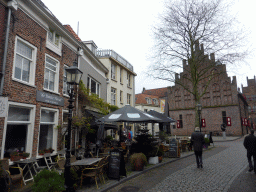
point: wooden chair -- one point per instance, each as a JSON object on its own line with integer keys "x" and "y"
{"x": 105, "y": 167}
{"x": 92, "y": 172}
{"x": 48, "y": 160}
{"x": 14, "y": 178}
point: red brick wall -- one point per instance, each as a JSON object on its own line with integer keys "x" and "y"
{"x": 27, "y": 29}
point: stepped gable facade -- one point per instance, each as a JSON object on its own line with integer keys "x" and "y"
{"x": 221, "y": 103}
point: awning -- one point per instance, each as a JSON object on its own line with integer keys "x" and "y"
{"x": 164, "y": 118}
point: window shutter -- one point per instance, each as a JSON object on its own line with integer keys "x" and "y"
{"x": 228, "y": 121}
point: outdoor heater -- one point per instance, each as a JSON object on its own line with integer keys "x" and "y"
{"x": 199, "y": 109}
{"x": 73, "y": 78}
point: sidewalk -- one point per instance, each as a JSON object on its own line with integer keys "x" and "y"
{"x": 113, "y": 183}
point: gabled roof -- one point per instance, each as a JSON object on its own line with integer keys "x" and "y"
{"x": 160, "y": 92}
{"x": 69, "y": 28}
{"x": 141, "y": 98}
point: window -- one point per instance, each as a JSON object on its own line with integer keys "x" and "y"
{"x": 113, "y": 96}
{"x": 155, "y": 101}
{"x": 128, "y": 80}
{"x": 54, "y": 38}
{"x": 19, "y": 129}
{"x": 113, "y": 71}
{"x": 181, "y": 121}
{"x": 48, "y": 135}
{"x": 51, "y": 74}
{"x": 148, "y": 100}
{"x": 25, "y": 61}
{"x": 121, "y": 76}
{"x": 121, "y": 97}
{"x": 224, "y": 119}
{"x": 93, "y": 85}
{"x": 65, "y": 84}
{"x": 129, "y": 98}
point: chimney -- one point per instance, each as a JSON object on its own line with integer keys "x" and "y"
{"x": 196, "y": 45}
{"x": 234, "y": 80}
{"x": 212, "y": 56}
{"x": 184, "y": 63}
{"x": 202, "y": 48}
{"x": 143, "y": 89}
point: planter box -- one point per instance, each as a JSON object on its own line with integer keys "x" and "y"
{"x": 153, "y": 160}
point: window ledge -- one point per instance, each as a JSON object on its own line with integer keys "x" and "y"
{"x": 54, "y": 48}
{"x": 23, "y": 82}
{"x": 51, "y": 91}
{"x": 65, "y": 95}
{"x": 129, "y": 87}
{"x": 114, "y": 80}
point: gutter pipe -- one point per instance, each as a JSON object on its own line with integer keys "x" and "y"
{"x": 5, "y": 50}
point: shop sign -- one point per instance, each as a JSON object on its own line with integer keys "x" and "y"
{"x": 228, "y": 121}
{"x": 49, "y": 98}
{"x": 3, "y": 106}
{"x": 203, "y": 123}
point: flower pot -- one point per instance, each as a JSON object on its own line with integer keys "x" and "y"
{"x": 15, "y": 158}
{"x": 160, "y": 159}
{"x": 41, "y": 154}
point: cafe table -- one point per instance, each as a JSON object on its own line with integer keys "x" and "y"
{"x": 29, "y": 163}
{"x": 85, "y": 162}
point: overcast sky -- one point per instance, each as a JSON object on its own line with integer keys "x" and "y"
{"x": 125, "y": 26}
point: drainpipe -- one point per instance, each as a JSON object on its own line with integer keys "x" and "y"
{"x": 11, "y": 5}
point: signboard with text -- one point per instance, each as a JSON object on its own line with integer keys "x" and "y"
{"x": 49, "y": 98}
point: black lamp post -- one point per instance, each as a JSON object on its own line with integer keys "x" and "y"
{"x": 199, "y": 109}
{"x": 73, "y": 78}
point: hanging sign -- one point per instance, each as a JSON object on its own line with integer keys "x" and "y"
{"x": 228, "y": 121}
{"x": 203, "y": 123}
{"x": 3, "y": 106}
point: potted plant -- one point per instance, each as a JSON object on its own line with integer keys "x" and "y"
{"x": 41, "y": 152}
{"x": 25, "y": 155}
{"x": 160, "y": 154}
{"x": 138, "y": 161}
{"x": 51, "y": 150}
{"x": 206, "y": 142}
{"x": 15, "y": 156}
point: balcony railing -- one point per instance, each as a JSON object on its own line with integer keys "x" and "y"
{"x": 113, "y": 54}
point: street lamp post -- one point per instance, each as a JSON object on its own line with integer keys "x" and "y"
{"x": 199, "y": 109}
{"x": 73, "y": 78}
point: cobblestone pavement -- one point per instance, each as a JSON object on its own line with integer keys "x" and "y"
{"x": 223, "y": 166}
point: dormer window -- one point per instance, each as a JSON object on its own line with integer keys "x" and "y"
{"x": 155, "y": 101}
{"x": 53, "y": 41}
{"x": 149, "y": 101}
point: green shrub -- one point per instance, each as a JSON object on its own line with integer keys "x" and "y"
{"x": 136, "y": 156}
{"x": 50, "y": 181}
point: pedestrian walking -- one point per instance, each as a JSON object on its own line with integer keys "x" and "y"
{"x": 197, "y": 140}
{"x": 250, "y": 146}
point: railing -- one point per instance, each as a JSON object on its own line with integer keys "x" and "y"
{"x": 111, "y": 53}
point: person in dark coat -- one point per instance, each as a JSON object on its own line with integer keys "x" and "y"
{"x": 250, "y": 146}
{"x": 197, "y": 140}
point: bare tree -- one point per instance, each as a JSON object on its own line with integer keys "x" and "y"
{"x": 183, "y": 25}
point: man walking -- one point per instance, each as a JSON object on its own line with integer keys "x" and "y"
{"x": 197, "y": 140}
{"x": 250, "y": 146}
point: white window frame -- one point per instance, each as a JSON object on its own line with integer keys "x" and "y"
{"x": 32, "y": 70}
{"x": 30, "y": 129}
{"x": 121, "y": 97}
{"x": 113, "y": 96}
{"x": 51, "y": 44}
{"x": 155, "y": 101}
{"x": 113, "y": 71}
{"x": 128, "y": 79}
{"x": 149, "y": 101}
{"x": 54, "y": 132}
{"x": 129, "y": 98}
{"x": 65, "y": 91}
{"x": 56, "y": 80}
{"x": 121, "y": 75}
{"x": 97, "y": 85}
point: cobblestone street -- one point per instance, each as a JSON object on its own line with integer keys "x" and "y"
{"x": 225, "y": 169}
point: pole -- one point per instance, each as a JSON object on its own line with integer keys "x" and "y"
{"x": 199, "y": 118}
{"x": 68, "y": 184}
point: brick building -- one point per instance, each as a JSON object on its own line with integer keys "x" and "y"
{"x": 33, "y": 56}
{"x": 250, "y": 94}
{"x": 221, "y": 103}
{"x": 153, "y": 99}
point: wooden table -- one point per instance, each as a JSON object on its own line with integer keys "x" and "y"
{"x": 29, "y": 163}
{"x": 85, "y": 162}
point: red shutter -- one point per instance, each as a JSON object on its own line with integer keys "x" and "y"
{"x": 203, "y": 123}
{"x": 245, "y": 121}
{"x": 228, "y": 121}
{"x": 178, "y": 123}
